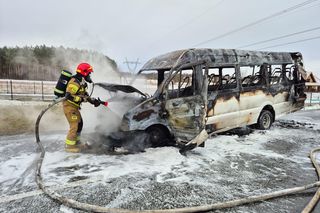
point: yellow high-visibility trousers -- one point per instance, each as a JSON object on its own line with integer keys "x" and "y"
{"x": 74, "y": 118}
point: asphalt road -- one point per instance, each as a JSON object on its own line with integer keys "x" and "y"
{"x": 228, "y": 167}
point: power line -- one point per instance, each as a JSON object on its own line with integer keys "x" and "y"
{"x": 196, "y": 17}
{"x": 189, "y": 21}
{"x": 293, "y": 42}
{"x": 134, "y": 63}
{"x": 279, "y": 37}
{"x": 258, "y": 21}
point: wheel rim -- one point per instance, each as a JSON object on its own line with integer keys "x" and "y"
{"x": 155, "y": 136}
{"x": 266, "y": 121}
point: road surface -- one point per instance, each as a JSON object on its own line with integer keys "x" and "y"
{"x": 228, "y": 167}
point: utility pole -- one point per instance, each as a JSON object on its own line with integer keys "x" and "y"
{"x": 134, "y": 63}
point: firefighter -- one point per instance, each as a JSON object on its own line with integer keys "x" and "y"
{"x": 76, "y": 94}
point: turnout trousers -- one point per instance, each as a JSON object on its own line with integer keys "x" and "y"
{"x": 74, "y": 118}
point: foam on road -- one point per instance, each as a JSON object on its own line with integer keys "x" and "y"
{"x": 229, "y": 167}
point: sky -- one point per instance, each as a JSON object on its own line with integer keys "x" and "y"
{"x": 141, "y": 29}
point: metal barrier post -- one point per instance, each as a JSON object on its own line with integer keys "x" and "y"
{"x": 42, "y": 90}
{"x": 11, "y": 89}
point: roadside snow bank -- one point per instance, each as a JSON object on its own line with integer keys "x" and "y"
{"x": 22, "y": 103}
{"x": 313, "y": 107}
{"x": 20, "y": 117}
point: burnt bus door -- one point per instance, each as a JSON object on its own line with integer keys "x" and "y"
{"x": 186, "y": 115}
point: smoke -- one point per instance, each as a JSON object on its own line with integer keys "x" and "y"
{"x": 99, "y": 122}
{"x": 313, "y": 66}
{"x": 101, "y": 118}
{"x": 102, "y": 121}
{"x": 107, "y": 122}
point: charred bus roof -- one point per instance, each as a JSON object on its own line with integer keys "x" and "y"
{"x": 216, "y": 57}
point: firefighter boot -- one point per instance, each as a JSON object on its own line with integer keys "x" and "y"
{"x": 83, "y": 146}
{"x": 72, "y": 148}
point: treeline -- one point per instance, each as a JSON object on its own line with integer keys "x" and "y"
{"x": 45, "y": 63}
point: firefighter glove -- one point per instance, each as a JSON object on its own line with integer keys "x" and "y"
{"x": 96, "y": 102}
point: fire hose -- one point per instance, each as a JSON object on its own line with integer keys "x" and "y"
{"x": 313, "y": 202}
{"x": 221, "y": 205}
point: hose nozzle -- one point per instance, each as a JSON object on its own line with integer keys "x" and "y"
{"x": 105, "y": 103}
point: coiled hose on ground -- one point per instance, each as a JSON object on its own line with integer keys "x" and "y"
{"x": 228, "y": 204}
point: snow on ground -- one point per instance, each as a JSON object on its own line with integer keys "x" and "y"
{"x": 228, "y": 167}
{"x": 312, "y": 107}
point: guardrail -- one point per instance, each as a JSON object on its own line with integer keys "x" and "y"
{"x": 26, "y": 90}
{"x": 43, "y": 90}
{"x": 312, "y": 101}
{"x": 312, "y": 98}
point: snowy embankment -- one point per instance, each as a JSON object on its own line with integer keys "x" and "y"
{"x": 20, "y": 116}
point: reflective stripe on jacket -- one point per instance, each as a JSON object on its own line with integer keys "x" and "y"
{"x": 77, "y": 91}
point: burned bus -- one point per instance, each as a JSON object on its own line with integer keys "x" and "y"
{"x": 203, "y": 91}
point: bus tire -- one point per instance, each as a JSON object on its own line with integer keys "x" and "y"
{"x": 158, "y": 136}
{"x": 265, "y": 120}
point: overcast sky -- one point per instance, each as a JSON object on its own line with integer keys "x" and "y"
{"x": 143, "y": 29}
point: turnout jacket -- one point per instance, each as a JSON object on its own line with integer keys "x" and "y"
{"x": 77, "y": 90}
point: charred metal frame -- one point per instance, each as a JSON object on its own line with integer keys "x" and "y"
{"x": 219, "y": 110}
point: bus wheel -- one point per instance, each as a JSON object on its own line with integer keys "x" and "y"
{"x": 265, "y": 120}
{"x": 158, "y": 136}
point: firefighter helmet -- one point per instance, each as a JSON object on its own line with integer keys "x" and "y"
{"x": 84, "y": 69}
